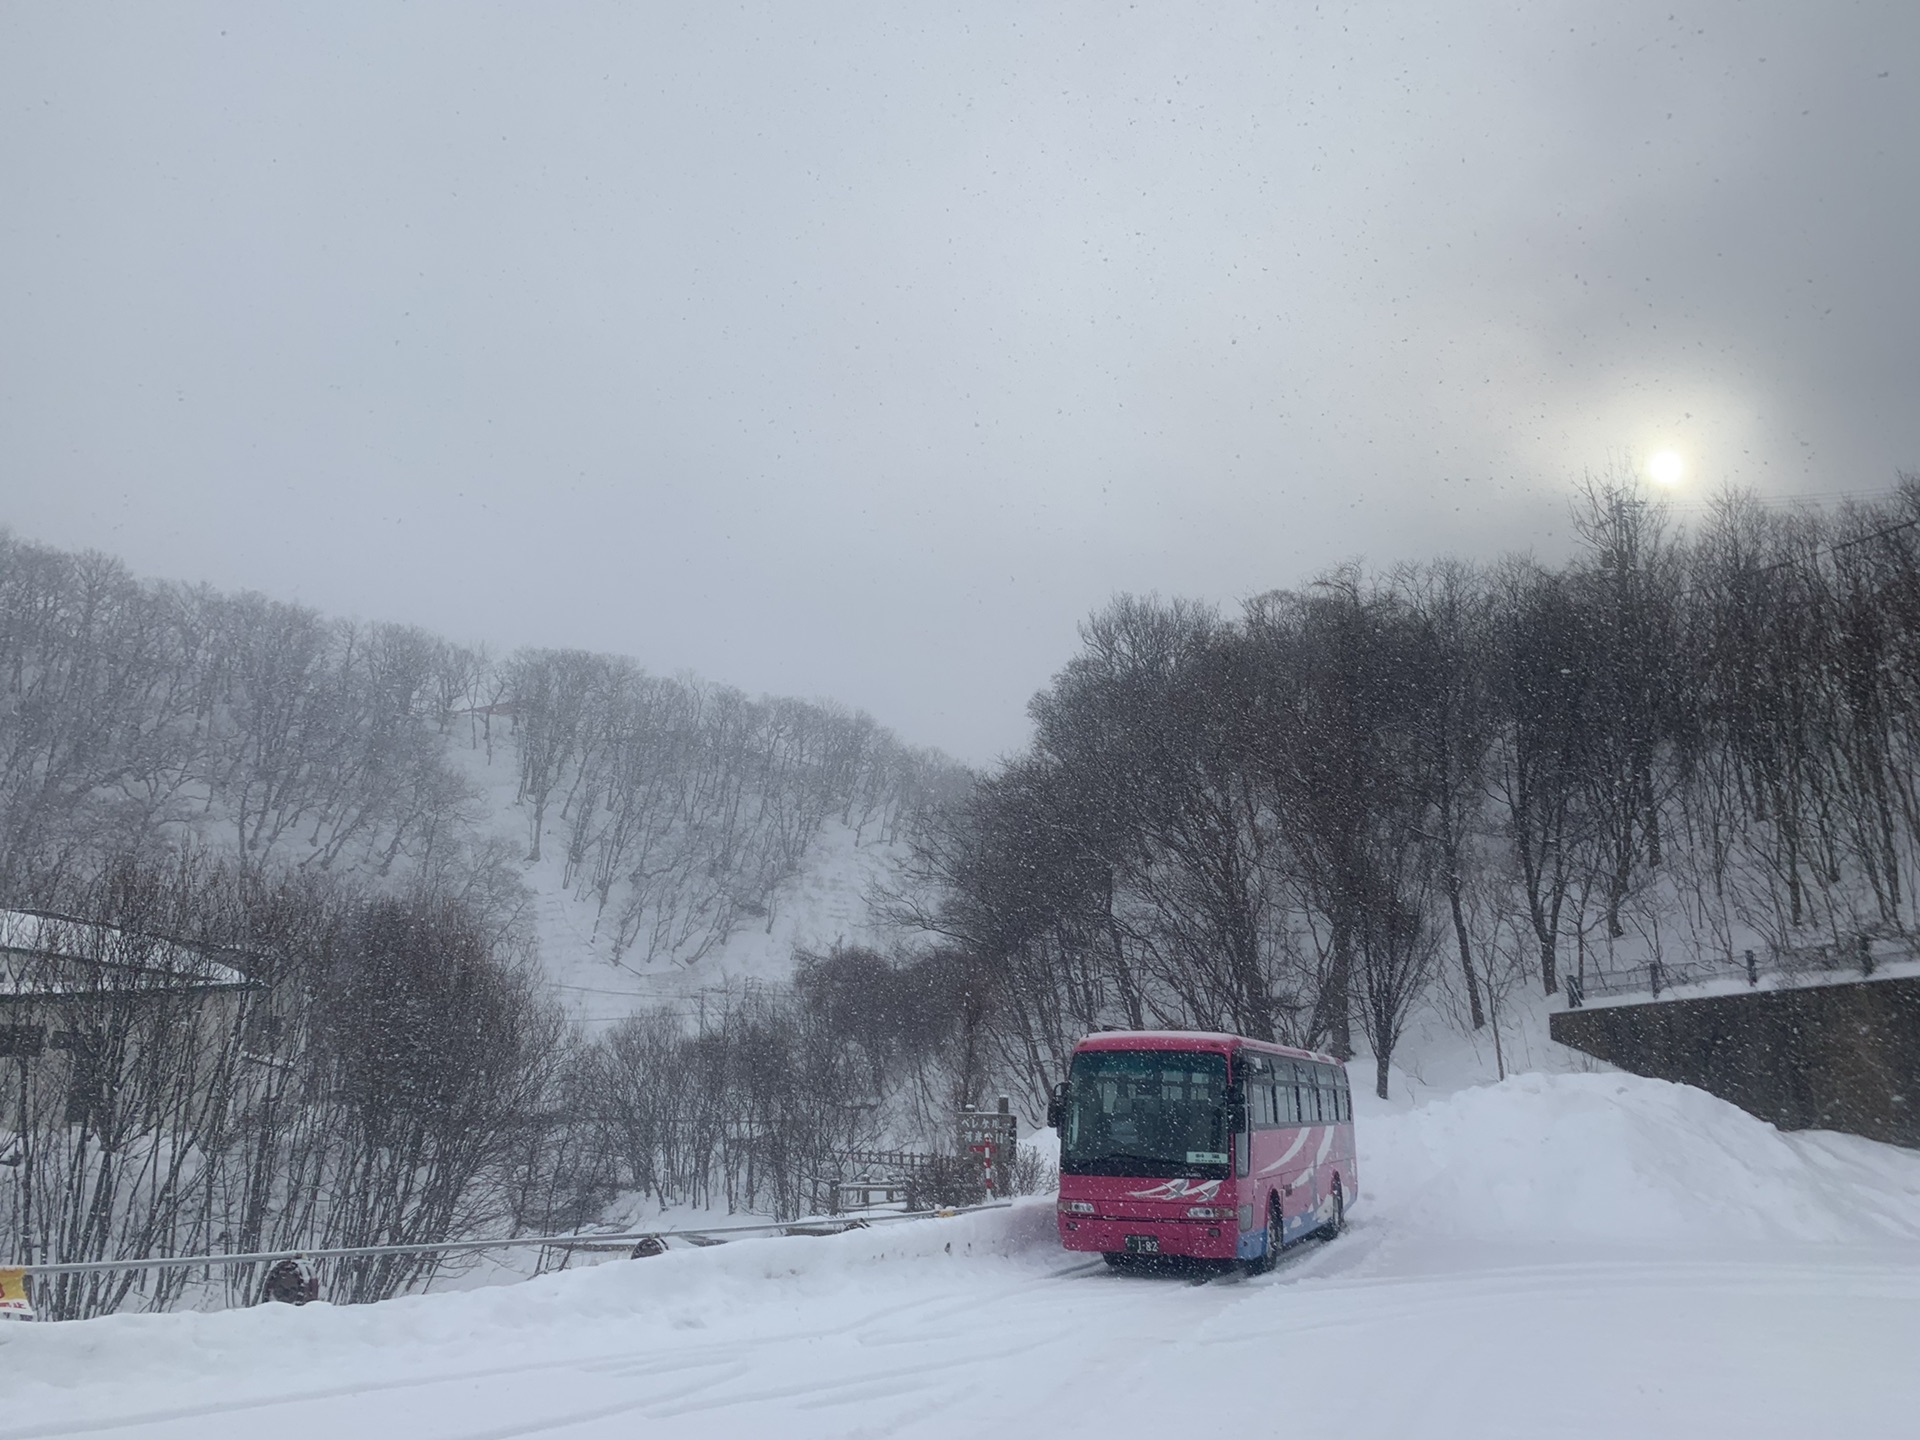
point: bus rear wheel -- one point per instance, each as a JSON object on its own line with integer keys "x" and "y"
{"x": 1339, "y": 1221}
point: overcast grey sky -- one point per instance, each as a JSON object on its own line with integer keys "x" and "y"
{"x": 861, "y": 351}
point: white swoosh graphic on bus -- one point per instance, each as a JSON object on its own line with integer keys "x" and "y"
{"x": 1181, "y": 1189}
{"x": 1293, "y": 1150}
{"x": 1326, "y": 1144}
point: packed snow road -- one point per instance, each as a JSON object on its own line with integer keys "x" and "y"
{"x": 1572, "y": 1256}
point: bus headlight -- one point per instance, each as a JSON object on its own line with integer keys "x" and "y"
{"x": 1209, "y": 1212}
{"x": 1076, "y": 1207}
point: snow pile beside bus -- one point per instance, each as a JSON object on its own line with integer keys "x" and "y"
{"x": 1618, "y": 1158}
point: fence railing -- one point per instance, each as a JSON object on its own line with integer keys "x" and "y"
{"x": 1855, "y": 958}
{"x": 857, "y": 1164}
{"x": 638, "y": 1243}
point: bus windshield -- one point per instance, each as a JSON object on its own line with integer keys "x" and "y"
{"x": 1145, "y": 1112}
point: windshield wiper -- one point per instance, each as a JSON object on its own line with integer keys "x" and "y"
{"x": 1130, "y": 1163}
{"x": 1112, "y": 1155}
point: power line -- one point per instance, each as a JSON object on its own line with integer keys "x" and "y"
{"x": 1838, "y": 546}
{"x": 1778, "y": 502}
{"x": 1874, "y": 535}
{"x": 1829, "y": 550}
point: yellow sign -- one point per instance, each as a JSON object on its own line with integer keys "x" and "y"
{"x": 13, "y": 1294}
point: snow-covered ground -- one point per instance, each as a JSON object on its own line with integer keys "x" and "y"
{"x": 1571, "y": 1255}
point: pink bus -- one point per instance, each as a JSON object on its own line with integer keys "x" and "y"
{"x": 1201, "y": 1145}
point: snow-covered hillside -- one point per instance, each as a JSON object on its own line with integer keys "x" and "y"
{"x": 671, "y": 833}
{"x": 825, "y": 902}
{"x": 677, "y": 836}
{"x": 1553, "y": 1256}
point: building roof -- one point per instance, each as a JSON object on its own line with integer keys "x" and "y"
{"x": 50, "y": 955}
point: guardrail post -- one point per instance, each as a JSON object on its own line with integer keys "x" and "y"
{"x": 1866, "y": 954}
{"x": 1753, "y": 970}
{"x": 1653, "y": 974}
{"x": 1575, "y": 993}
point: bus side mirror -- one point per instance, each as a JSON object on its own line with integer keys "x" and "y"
{"x": 1057, "y": 1105}
{"x": 1236, "y": 1109}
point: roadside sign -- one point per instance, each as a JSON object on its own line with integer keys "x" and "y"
{"x": 992, "y": 1136}
{"x": 13, "y": 1295}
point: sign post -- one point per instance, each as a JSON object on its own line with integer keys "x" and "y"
{"x": 991, "y": 1135}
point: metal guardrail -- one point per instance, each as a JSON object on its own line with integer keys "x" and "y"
{"x": 1856, "y": 958}
{"x": 816, "y": 1225}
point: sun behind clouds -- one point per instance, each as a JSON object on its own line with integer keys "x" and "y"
{"x": 1666, "y": 467}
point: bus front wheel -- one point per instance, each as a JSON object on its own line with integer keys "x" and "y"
{"x": 1266, "y": 1262}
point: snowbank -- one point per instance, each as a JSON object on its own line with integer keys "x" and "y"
{"x": 678, "y": 1291}
{"x": 1618, "y": 1158}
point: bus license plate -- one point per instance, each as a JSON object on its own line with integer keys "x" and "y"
{"x": 1143, "y": 1245}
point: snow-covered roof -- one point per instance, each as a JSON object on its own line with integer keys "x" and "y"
{"x": 1207, "y": 1040}
{"x": 43, "y": 954}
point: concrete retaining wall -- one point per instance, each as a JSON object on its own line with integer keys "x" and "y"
{"x": 1835, "y": 1057}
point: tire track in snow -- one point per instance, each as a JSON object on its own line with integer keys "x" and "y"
{"x": 826, "y": 1391}
{"x": 262, "y": 1402}
{"x": 612, "y": 1364}
{"x": 616, "y": 1363}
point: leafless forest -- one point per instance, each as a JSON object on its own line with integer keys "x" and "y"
{"x": 1440, "y": 785}
{"x": 1448, "y": 783}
